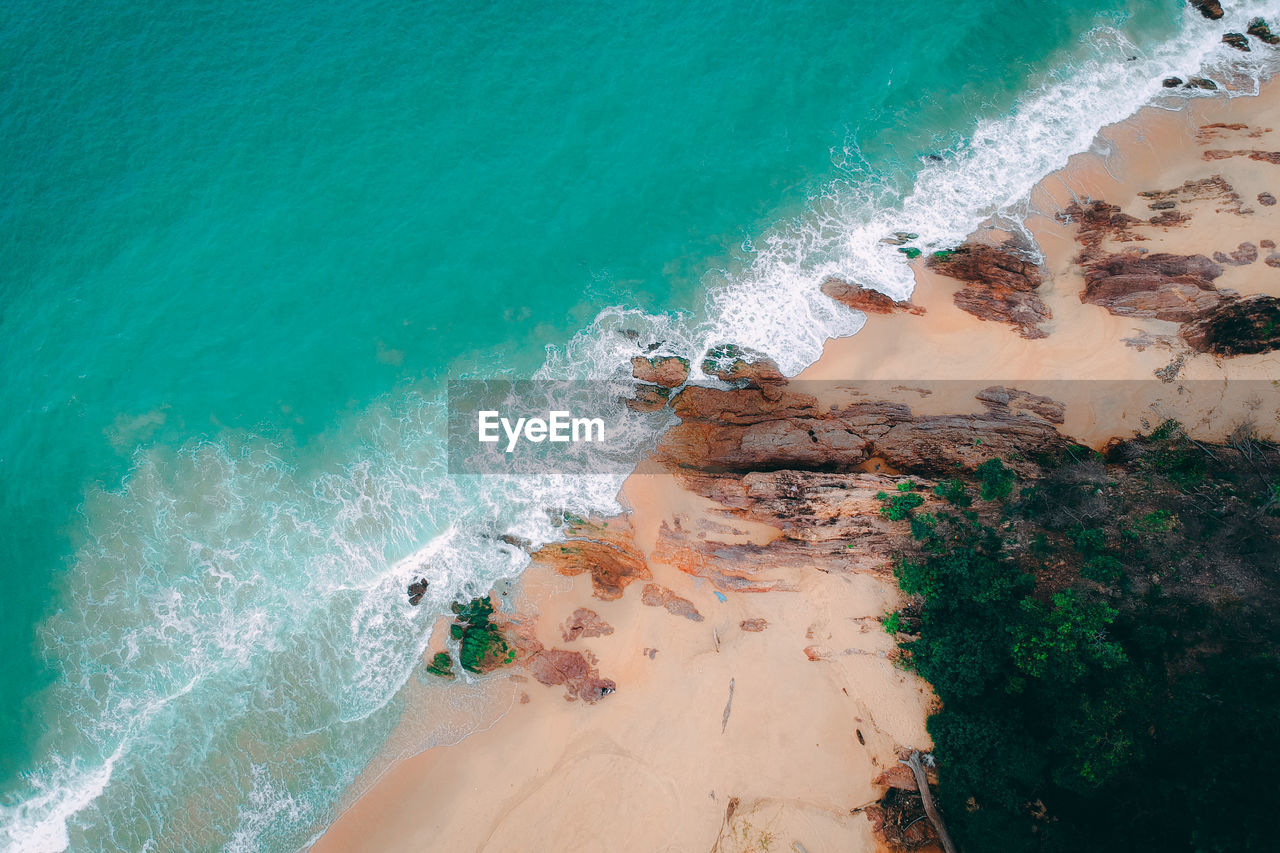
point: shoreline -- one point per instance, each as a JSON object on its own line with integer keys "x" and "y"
{"x": 722, "y": 714}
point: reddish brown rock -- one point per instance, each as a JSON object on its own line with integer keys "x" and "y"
{"x": 866, "y": 300}
{"x": 585, "y": 623}
{"x": 732, "y": 363}
{"x": 1272, "y": 157}
{"x": 1096, "y": 221}
{"x": 741, "y": 430}
{"x": 648, "y": 398}
{"x": 666, "y": 371}
{"x": 580, "y": 679}
{"x": 659, "y": 596}
{"x": 605, "y": 549}
{"x": 999, "y": 286}
{"x": 753, "y": 625}
{"x": 1161, "y": 285}
{"x": 1211, "y": 9}
{"x": 997, "y": 398}
{"x": 1237, "y": 327}
{"x": 1236, "y": 40}
{"x": 1244, "y": 254}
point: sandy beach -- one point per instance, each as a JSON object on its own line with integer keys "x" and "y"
{"x": 752, "y": 720}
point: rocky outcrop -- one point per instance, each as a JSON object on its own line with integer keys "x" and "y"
{"x": 866, "y": 300}
{"x": 997, "y": 398}
{"x": 1237, "y": 40}
{"x": 584, "y": 623}
{"x": 743, "y": 431}
{"x": 732, "y": 363}
{"x": 999, "y": 285}
{"x": 579, "y": 675}
{"x": 1097, "y": 221}
{"x": 1211, "y": 9}
{"x": 417, "y": 589}
{"x": 1244, "y": 254}
{"x": 654, "y": 595}
{"x": 1272, "y": 157}
{"x": 754, "y": 626}
{"x": 667, "y": 371}
{"x": 1161, "y": 285}
{"x": 1237, "y": 327}
{"x": 1258, "y": 29}
{"x": 605, "y": 549}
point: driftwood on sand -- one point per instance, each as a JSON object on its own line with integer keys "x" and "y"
{"x": 926, "y": 798}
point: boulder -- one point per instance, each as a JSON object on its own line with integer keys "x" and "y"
{"x": 866, "y": 300}
{"x": 732, "y": 363}
{"x": 1258, "y": 29}
{"x": 1237, "y": 327}
{"x": 999, "y": 285}
{"x": 667, "y": 371}
{"x": 1162, "y": 286}
{"x": 1236, "y": 40}
{"x": 1211, "y": 9}
{"x": 417, "y": 589}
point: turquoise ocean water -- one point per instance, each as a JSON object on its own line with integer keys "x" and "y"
{"x": 244, "y": 245}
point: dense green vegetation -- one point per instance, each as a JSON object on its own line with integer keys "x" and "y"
{"x": 1104, "y": 645}
{"x": 441, "y": 665}
{"x": 481, "y": 646}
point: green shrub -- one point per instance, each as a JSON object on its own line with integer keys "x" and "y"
{"x": 441, "y": 665}
{"x": 953, "y": 492}
{"x": 997, "y": 480}
{"x": 898, "y": 508}
{"x": 1102, "y": 568}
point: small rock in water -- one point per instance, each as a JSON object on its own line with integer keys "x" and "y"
{"x": 1236, "y": 40}
{"x": 1172, "y": 82}
{"x": 417, "y": 589}
{"x": 1211, "y": 9}
{"x": 899, "y": 238}
{"x": 1258, "y": 29}
{"x": 1201, "y": 83}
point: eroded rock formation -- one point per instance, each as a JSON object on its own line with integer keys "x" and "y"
{"x": 667, "y": 371}
{"x": 1000, "y": 285}
{"x": 1237, "y": 327}
{"x": 743, "y": 431}
{"x": 585, "y": 623}
{"x": 654, "y": 595}
{"x": 866, "y": 300}
{"x": 605, "y": 549}
{"x": 1159, "y": 285}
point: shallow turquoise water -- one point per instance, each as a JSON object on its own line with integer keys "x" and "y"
{"x": 244, "y": 245}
